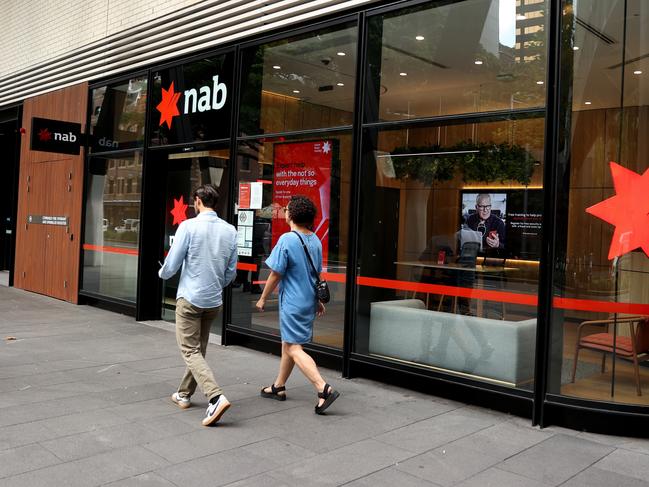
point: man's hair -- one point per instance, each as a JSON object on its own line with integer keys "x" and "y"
{"x": 208, "y": 195}
{"x": 302, "y": 211}
{"x": 481, "y": 197}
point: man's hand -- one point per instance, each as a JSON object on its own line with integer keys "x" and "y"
{"x": 493, "y": 242}
{"x": 321, "y": 309}
{"x": 261, "y": 304}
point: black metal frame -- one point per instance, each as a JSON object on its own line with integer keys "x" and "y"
{"x": 541, "y": 406}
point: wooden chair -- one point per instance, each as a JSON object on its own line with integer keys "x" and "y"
{"x": 634, "y": 347}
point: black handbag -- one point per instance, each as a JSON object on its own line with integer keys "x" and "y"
{"x": 321, "y": 286}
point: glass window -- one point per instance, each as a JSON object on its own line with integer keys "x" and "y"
{"x": 117, "y": 115}
{"x": 185, "y": 172}
{"x": 112, "y": 229}
{"x": 299, "y": 83}
{"x": 270, "y": 171}
{"x": 192, "y": 102}
{"x": 471, "y": 56}
{"x": 602, "y": 297}
{"x": 450, "y": 233}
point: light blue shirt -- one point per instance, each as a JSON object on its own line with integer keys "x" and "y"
{"x": 206, "y": 247}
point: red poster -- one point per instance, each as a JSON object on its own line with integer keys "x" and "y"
{"x": 303, "y": 168}
{"x": 244, "y": 195}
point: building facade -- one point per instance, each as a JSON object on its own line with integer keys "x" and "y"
{"x": 480, "y": 169}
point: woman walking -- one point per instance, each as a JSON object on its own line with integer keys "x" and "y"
{"x": 298, "y": 305}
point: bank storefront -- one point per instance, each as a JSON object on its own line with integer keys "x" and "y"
{"x": 480, "y": 172}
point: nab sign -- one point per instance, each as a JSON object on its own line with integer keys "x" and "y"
{"x": 55, "y": 136}
{"x": 208, "y": 97}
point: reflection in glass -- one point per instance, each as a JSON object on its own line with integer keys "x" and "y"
{"x": 187, "y": 171}
{"x": 597, "y": 294}
{"x": 299, "y": 83}
{"x": 454, "y": 287}
{"x": 471, "y": 56}
{"x": 117, "y": 115}
{"x": 112, "y": 227}
{"x": 270, "y": 171}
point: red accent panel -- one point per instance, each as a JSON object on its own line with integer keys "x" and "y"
{"x": 110, "y": 250}
{"x": 243, "y": 266}
{"x": 334, "y": 277}
{"x": 601, "y": 306}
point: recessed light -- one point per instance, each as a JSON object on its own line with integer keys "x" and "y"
{"x": 420, "y": 38}
{"x": 403, "y": 74}
{"x": 478, "y": 62}
{"x": 341, "y": 53}
{"x": 539, "y": 82}
{"x": 575, "y": 48}
{"x": 277, "y": 66}
{"x": 588, "y": 103}
{"x": 296, "y": 91}
{"x": 521, "y": 17}
{"x": 637, "y": 72}
{"x": 340, "y": 84}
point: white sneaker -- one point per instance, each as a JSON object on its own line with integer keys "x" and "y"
{"x": 216, "y": 410}
{"x": 181, "y": 402}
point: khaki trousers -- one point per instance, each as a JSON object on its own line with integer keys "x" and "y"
{"x": 192, "y": 334}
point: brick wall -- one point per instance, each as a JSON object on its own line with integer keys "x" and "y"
{"x": 38, "y": 30}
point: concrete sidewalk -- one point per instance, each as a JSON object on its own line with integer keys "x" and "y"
{"x": 84, "y": 401}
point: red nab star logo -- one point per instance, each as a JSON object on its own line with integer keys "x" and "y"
{"x": 628, "y": 210}
{"x": 44, "y": 135}
{"x": 179, "y": 211}
{"x": 168, "y": 106}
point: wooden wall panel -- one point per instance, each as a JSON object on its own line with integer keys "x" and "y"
{"x": 47, "y": 257}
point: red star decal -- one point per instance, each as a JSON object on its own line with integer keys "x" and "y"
{"x": 168, "y": 106}
{"x": 179, "y": 212}
{"x": 628, "y": 210}
{"x": 44, "y": 135}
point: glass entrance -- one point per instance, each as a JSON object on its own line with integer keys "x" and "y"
{"x": 185, "y": 172}
{"x": 7, "y": 195}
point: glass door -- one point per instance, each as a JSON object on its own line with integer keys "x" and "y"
{"x": 186, "y": 170}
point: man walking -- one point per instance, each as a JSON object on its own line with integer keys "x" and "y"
{"x": 206, "y": 247}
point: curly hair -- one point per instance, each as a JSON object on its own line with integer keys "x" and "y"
{"x": 302, "y": 211}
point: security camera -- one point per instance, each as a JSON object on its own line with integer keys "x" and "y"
{"x": 325, "y": 60}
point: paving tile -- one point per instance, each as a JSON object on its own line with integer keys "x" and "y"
{"x": 596, "y": 477}
{"x": 556, "y": 460}
{"x": 149, "y": 479}
{"x": 628, "y": 463}
{"x": 389, "y": 477}
{"x": 342, "y": 465}
{"x": 23, "y": 434}
{"x": 448, "y": 465}
{"x": 278, "y": 450}
{"x": 494, "y": 477}
{"x": 24, "y": 459}
{"x": 62, "y": 475}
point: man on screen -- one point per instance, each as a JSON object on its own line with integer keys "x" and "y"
{"x": 489, "y": 226}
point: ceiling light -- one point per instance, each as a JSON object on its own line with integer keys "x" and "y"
{"x": 296, "y": 91}
{"x": 341, "y": 53}
{"x": 403, "y": 74}
{"x": 277, "y": 67}
{"x": 340, "y": 84}
{"x": 420, "y": 38}
{"x": 539, "y": 82}
{"x": 478, "y": 62}
{"x": 637, "y": 72}
{"x": 588, "y": 103}
{"x": 575, "y": 48}
{"x": 521, "y": 17}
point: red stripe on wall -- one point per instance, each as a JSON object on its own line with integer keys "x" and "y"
{"x": 243, "y": 266}
{"x": 334, "y": 277}
{"x": 601, "y": 306}
{"x": 110, "y": 250}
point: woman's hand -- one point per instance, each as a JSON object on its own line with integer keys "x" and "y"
{"x": 321, "y": 309}
{"x": 261, "y": 304}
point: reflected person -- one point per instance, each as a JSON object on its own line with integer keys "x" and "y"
{"x": 490, "y": 226}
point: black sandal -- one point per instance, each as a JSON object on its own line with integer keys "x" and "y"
{"x": 329, "y": 395}
{"x": 274, "y": 393}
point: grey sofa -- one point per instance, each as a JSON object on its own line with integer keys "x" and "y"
{"x": 493, "y": 349}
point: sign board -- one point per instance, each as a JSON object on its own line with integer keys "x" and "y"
{"x": 55, "y": 136}
{"x": 48, "y": 220}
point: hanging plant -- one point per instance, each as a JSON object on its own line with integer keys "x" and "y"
{"x": 421, "y": 165}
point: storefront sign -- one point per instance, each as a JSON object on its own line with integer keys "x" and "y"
{"x": 303, "y": 168}
{"x": 245, "y": 224}
{"x": 48, "y": 220}
{"x": 251, "y": 195}
{"x": 55, "y": 136}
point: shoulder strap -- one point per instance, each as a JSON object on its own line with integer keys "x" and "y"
{"x": 308, "y": 256}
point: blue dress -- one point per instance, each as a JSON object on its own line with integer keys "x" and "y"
{"x": 297, "y": 299}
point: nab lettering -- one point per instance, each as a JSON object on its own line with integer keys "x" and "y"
{"x": 69, "y": 137}
{"x": 210, "y": 98}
